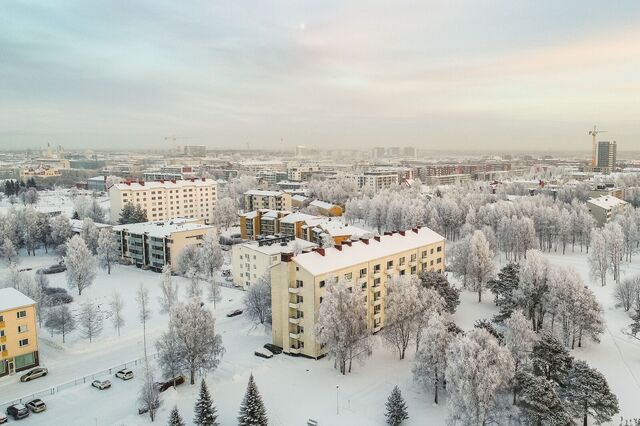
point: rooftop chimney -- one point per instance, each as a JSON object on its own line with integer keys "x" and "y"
{"x": 388, "y": 233}
{"x": 320, "y": 251}
{"x": 401, "y": 233}
{"x": 365, "y": 240}
{"x": 286, "y": 257}
{"x": 347, "y": 242}
{"x": 377, "y": 238}
{"x": 415, "y": 230}
{"x": 338, "y": 247}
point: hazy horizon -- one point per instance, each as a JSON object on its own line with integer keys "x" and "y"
{"x": 497, "y": 76}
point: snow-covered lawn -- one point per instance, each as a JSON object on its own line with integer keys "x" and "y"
{"x": 294, "y": 389}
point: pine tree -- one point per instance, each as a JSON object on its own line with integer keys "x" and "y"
{"x": 502, "y": 288}
{"x": 175, "y": 419}
{"x": 440, "y": 283}
{"x": 396, "y": 408}
{"x": 252, "y": 411}
{"x": 587, "y": 394}
{"x": 539, "y": 403}
{"x": 205, "y": 411}
{"x": 635, "y": 325}
{"x": 551, "y": 359}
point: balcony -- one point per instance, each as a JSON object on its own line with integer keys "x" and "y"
{"x": 296, "y": 336}
{"x": 1, "y": 324}
{"x": 4, "y": 354}
{"x": 3, "y": 339}
{"x": 377, "y": 315}
{"x": 294, "y": 305}
{"x": 294, "y": 290}
{"x": 376, "y": 329}
{"x": 295, "y": 321}
{"x": 413, "y": 263}
{"x": 377, "y": 301}
{"x": 295, "y": 351}
{"x": 376, "y": 274}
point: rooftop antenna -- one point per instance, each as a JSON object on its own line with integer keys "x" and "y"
{"x": 595, "y": 132}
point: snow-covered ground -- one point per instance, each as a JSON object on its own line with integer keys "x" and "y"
{"x": 294, "y": 389}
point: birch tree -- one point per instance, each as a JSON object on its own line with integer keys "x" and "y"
{"x": 257, "y": 300}
{"x": 117, "y": 306}
{"x": 431, "y": 360}
{"x": 480, "y": 266}
{"x": 81, "y": 265}
{"x": 107, "y": 249}
{"x": 90, "y": 320}
{"x": 211, "y": 260}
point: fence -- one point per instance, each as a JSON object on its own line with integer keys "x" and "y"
{"x": 78, "y": 381}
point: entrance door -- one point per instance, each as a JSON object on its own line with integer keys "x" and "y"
{"x": 12, "y": 368}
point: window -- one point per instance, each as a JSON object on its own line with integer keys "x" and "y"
{"x": 21, "y": 314}
{"x": 439, "y": 249}
{"x": 390, "y": 264}
{"x": 431, "y": 251}
{"x": 439, "y": 260}
{"x": 321, "y": 299}
{"x": 322, "y": 283}
{"x": 363, "y": 285}
{"x": 376, "y": 281}
{"x": 401, "y": 261}
{"x": 3, "y": 348}
{"x": 363, "y": 272}
{"x": 299, "y": 284}
{"x": 1, "y": 318}
{"x": 22, "y": 329}
{"x": 1, "y": 333}
{"x": 23, "y": 342}
{"x": 376, "y": 268}
{"x": 413, "y": 257}
{"x": 348, "y": 276}
{"x": 424, "y": 254}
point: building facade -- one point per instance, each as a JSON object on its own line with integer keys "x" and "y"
{"x": 156, "y": 244}
{"x": 607, "y": 156}
{"x": 274, "y": 200}
{"x": 298, "y": 281}
{"x": 605, "y": 208}
{"x": 377, "y": 181}
{"x": 18, "y": 332}
{"x": 165, "y": 200}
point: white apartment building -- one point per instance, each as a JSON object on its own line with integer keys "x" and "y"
{"x": 377, "y": 181}
{"x": 273, "y": 200}
{"x": 250, "y": 261}
{"x": 165, "y": 200}
{"x": 298, "y": 281}
{"x": 605, "y": 208}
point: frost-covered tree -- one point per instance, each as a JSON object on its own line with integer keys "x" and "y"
{"x": 211, "y": 260}
{"x": 205, "y": 412}
{"x": 60, "y": 230}
{"x": 132, "y": 214}
{"x": 479, "y": 371}
{"x": 44, "y": 231}
{"x": 403, "y": 312}
{"x": 190, "y": 266}
{"x": 117, "y": 306}
{"x": 149, "y": 395}
{"x": 431, "y": 360}
{"x": 503, "y": 288}
{"x": 30, "y": 229}
{"x": 480, "y": 266}
{"x": 588, "y": 395}
{"x": 519, "y": 338}
{"x": 81, "y": 265}
{"x": 95, "y": 212}
{"x": 107, "y": 249}
{"x": 144, "y": 312}
{"x": 175, "y": 419}
{"x": 458, "y": 258}
{"x": 169, "y": 355}
{"x": 89, "y": 234}
{"x": 539, "y": 402}
{"x": 90, "y": 320}
{"x": 599, "y": 256}
{"x": 627, "y": 292}
{"x": 60, "y": 320}
{"x": 257, "y": 300}
{"x": 440, "y": 283}
{"x": 550, "y": 359}
{"x": 169, "y": 290}
{"x": 533, "y": 287}
{"x": 635, "y": 325}
{"x": 396, "y": 408}
{"x": 9, "y": 252}
{"x": 225, "y": 213}
{"x": 615, "y": 247}
{"x": 342, "y": 324}
{"x": 252, "y": 410}
{"x": 200, "y": 347}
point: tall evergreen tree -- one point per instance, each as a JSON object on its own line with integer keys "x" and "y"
{"x": 539, "y": 403}
{"x": 252, "y": 410}
{"x": 439, "y": 282}
{"x": 396, "y": 408}
{"x": 635, "y": 325}
{"x": 551, "y": 359}
{"x": 587, "y": 394}
{"x": 503, "y": 287}
{"x": 205, "y": 412}
{"x": 175, "y": 419}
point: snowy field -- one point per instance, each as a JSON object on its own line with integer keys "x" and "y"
{"x": 294, "y": 389}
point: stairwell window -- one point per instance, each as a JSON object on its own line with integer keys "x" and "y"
{"x": 23, "y": 343}
{"x": 21, "y": 314}
{"x": 22, "y": 329}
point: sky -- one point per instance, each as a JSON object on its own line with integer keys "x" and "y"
{"x": 447, "y": 74}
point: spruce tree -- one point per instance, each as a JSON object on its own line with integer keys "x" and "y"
{"x": 205, "y": 411}
{"x": 502, "y": 287}
{"x": 539, "y": 402}
{"x": 396, "y": 408}
{"x": 635, "y": 325}
{"x": 126, "y": 214}
{"x": 551, "y": 359}
{"x": 252, "y": 411}
{"x": 439, "y": 283}
{"x": 587, "y": 394}
{"x": 175, "y": 419}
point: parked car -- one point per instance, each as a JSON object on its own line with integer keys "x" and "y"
{"x": 101, "y": 384}
{"x": 17, "y": 411}
{"x": 143, "y": 410}
{"x": 125, "y": 374}
{"x": 263, "y": 353}
{"x": 276, "y": 350}
{"x": 163, "y": 386}
{"x": 53, "y": 269}
{"x": 3, "y": 418}
{"x": 36, "y": 406}
{"x": 34, "y": 374}
{"x": 234, "y": 313}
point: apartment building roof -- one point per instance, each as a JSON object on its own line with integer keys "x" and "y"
{"x": 362, "y": 251}
{"x": 322, "y": 204}
{"x": 297, "y": 217}
{"x": 163, "y": 228}
{"x": 165, "y": 184}
{"x": 10, "y": 298}
{"x": 263, "y": 246}
{"x": 607, "y": 202}
{"x": 260, "y": 193}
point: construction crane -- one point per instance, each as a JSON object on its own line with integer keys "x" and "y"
{"x": 595, "y": 132}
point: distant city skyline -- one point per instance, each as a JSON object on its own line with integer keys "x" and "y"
{"x": 500, "y": 76}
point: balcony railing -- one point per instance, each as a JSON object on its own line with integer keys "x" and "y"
{"x": 294, "y": 290}
{"x": 295, "y": 350}
{"x": 1, "y": 324}
{"x": 296, "y": 336}
{"x": 294, "y": 305}
{"x": 295, "y": 321}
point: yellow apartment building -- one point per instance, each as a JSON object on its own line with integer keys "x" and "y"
{"x": 18, "y": 332}
{"x": 298, "y": 282}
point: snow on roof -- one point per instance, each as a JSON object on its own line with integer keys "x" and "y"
{"x": 167, "y": 184}
{"x": 298, "y": 197}
{"x": 77, "y": 224}
{"x": 321, "y": 204}
{"x": 163, "y": 229}
{"x": 277, "y": 248}
{"x": 297, "y": 217}
{"x": 607, "y": 202}
{"x": 10, "y": 298}
{"x": 336, "y": 228}
{"x": 260, "y": 193}
{"x": 361, "y": 252}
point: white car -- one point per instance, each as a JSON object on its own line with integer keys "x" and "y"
{"x": 101, "y": 384}
{"x": 3, "y": 418}
{"x": 125, "y": 374}
{"x": 263, "y": 353}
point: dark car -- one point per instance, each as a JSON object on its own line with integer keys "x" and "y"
{"x": 234, "y": 313}
{"x": 163, "y": 386}
{"x": 276, "y": 350}
{"x": 53, "y": 269}
{"x": 36, "y": 406}
{"x": 34, "y": 374}
{"x": 17, "y": 411}
{"x": 155, "y": 405}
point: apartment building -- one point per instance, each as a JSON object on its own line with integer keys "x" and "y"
{"x": 605, "y": 208}
{"x": 377, "y": 181}
{"x": 298, "y": 281}
{"x": 607, "y": 156}
{"x": 167, "y": 199}
{"x": 326, "y": 209}
{"x": 18, "y": 332}
{"x": 274, "y": 200}
{"x": 156, "y": 244}
{"x": 301, "y": 172}
{"x": 252, "y": 260}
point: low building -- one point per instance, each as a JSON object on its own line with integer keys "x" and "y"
{"x": 156, "y": 244}
{"x": 298, "y": 281}
{"x": 274, "y": 200}
{"x": 605, "y": 208}
{"x": 326, "y": 209}
{"x": 102, "y": 183}
{"x": 260, "y": 222}
{"x": 78, "y": 224}
{"x": 251, "y": 261}
{"x": 18, "y": 332}
{"x": 377, "y": 181}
